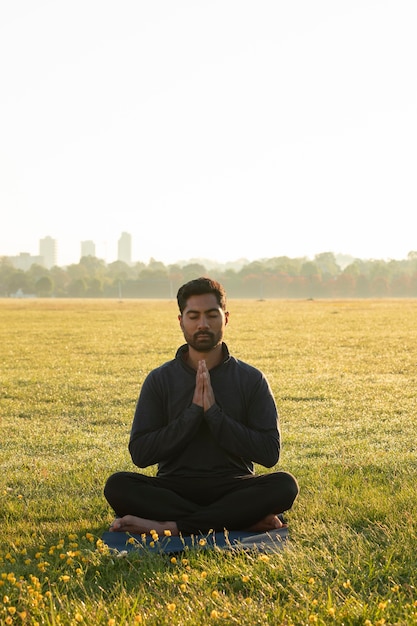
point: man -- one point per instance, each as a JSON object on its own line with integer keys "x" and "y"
{"x": 205, "y": 418}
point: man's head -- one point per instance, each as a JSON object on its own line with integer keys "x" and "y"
{"x": 203, "y": 315}
{"x": 198, "y": 287}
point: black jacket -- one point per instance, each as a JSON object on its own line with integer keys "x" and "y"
{"x": 239, "y": 430}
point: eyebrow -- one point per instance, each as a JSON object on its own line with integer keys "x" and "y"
{"x": 196, "y": 311}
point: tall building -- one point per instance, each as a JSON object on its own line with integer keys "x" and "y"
{"x": 47, "y": 250}
{"x": 88, "y": 248}
{"x": 124, "y": 248}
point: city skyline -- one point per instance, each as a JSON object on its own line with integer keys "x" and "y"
{"x": 24, "y": 259}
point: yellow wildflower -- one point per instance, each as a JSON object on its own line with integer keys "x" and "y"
{"x": 214, "y": 614}
{"x": 65, "y": 578}
{"x": 171, "y": 606}
{"x": 173, "y": 560}
{"x": 245, "y": 579}
{"x": 167, "y": 533}
{"x": 202, "y": 542}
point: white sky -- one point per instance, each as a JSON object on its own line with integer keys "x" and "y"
{"x": 218, "y": 129}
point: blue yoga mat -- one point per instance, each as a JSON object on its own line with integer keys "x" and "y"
{"x": 234, "y": 540}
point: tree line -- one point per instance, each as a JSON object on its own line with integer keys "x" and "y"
{"x": 278, "y": 277}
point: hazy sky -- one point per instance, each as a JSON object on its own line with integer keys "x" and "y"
{"x": 218, "y": 128}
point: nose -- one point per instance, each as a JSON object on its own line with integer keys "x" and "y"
{"x": 203, "y": 322}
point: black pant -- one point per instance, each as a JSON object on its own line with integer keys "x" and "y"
{"x": 201, "y": 504}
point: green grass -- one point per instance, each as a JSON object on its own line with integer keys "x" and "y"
{"x": 344, "y": 374}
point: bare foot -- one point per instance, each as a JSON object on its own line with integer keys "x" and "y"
{"x": 270, "y": 522}
{"x": 140, "y": 525}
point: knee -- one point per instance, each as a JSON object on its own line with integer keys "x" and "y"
{"x": 288, "y": 487}
{"x": 113, "y": 486}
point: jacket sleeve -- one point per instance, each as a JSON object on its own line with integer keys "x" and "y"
{"x": 255, "y": 438}
{"x": 153, "y": 437}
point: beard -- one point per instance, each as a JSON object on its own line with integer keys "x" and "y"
{"x": 203, "y": 341}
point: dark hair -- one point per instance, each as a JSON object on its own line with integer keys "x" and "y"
{"x": 198, "y": 287}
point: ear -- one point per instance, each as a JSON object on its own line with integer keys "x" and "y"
{"x": 180, "y": 319}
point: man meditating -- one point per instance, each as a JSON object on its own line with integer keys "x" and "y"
{"x": 205, "y": 418}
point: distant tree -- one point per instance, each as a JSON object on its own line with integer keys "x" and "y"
{"x": 326, "y": 262}
{"x": 193, "y": 270}
{"x": 6, "y": 271}
{"x": 60, "y": 280}
{"x": 77, "y": 288}
{"x": 44, "y": 286}
{"x": 19, "y": 280}
{"x": 94, "y": 288}
{"x": 309, "y": 269}
{"x": 95, "y": 267}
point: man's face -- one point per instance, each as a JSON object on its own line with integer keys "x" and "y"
{"x": 203, "y": 322}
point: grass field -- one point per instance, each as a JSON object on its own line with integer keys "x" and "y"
{"x": 344, "y": 374}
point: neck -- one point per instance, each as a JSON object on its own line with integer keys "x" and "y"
{"x": 212, "y": 358}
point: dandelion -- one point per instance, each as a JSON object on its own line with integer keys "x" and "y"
{"x": 6, "y": 599}
{"x": 111, "y": 622}
{"x": 131, "y": 540}
{"x": 152, "y": 544}
{"x": 264, "y": 558}
{"x": 22, "y": 615}
{"x": 78, "y": 617}
{"x": 382, "y": 605}
{"x": 138, "y": 619}
{"x": 248, "y": 600}
{"x": 245, "y": 579}
{"x": 89, "y": 537}
{"x": 173, "y": 560}
{"x": 214, "y": 594}
{"x": 65, "y": 578}
{"x": 202, "y": 542}
{"x": 347, "y": 584}
{"x": 171, "y": 606}
{"x": 12, "y": 610}
{"x": 311, "y": 580}
{"x": 183, "y": 587}
{"x": 395, "y": 588}
{"x": 167, "y": 533}
{"x": 184, "y": 578}
{"x": 203, "y": 574}
{"x": 8, "y": 620}
{"x": 331, "y": 611}
{"x": 214, "y": 614}
{"x": 184, "y": 561}
{"x": 313, "y": 619}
